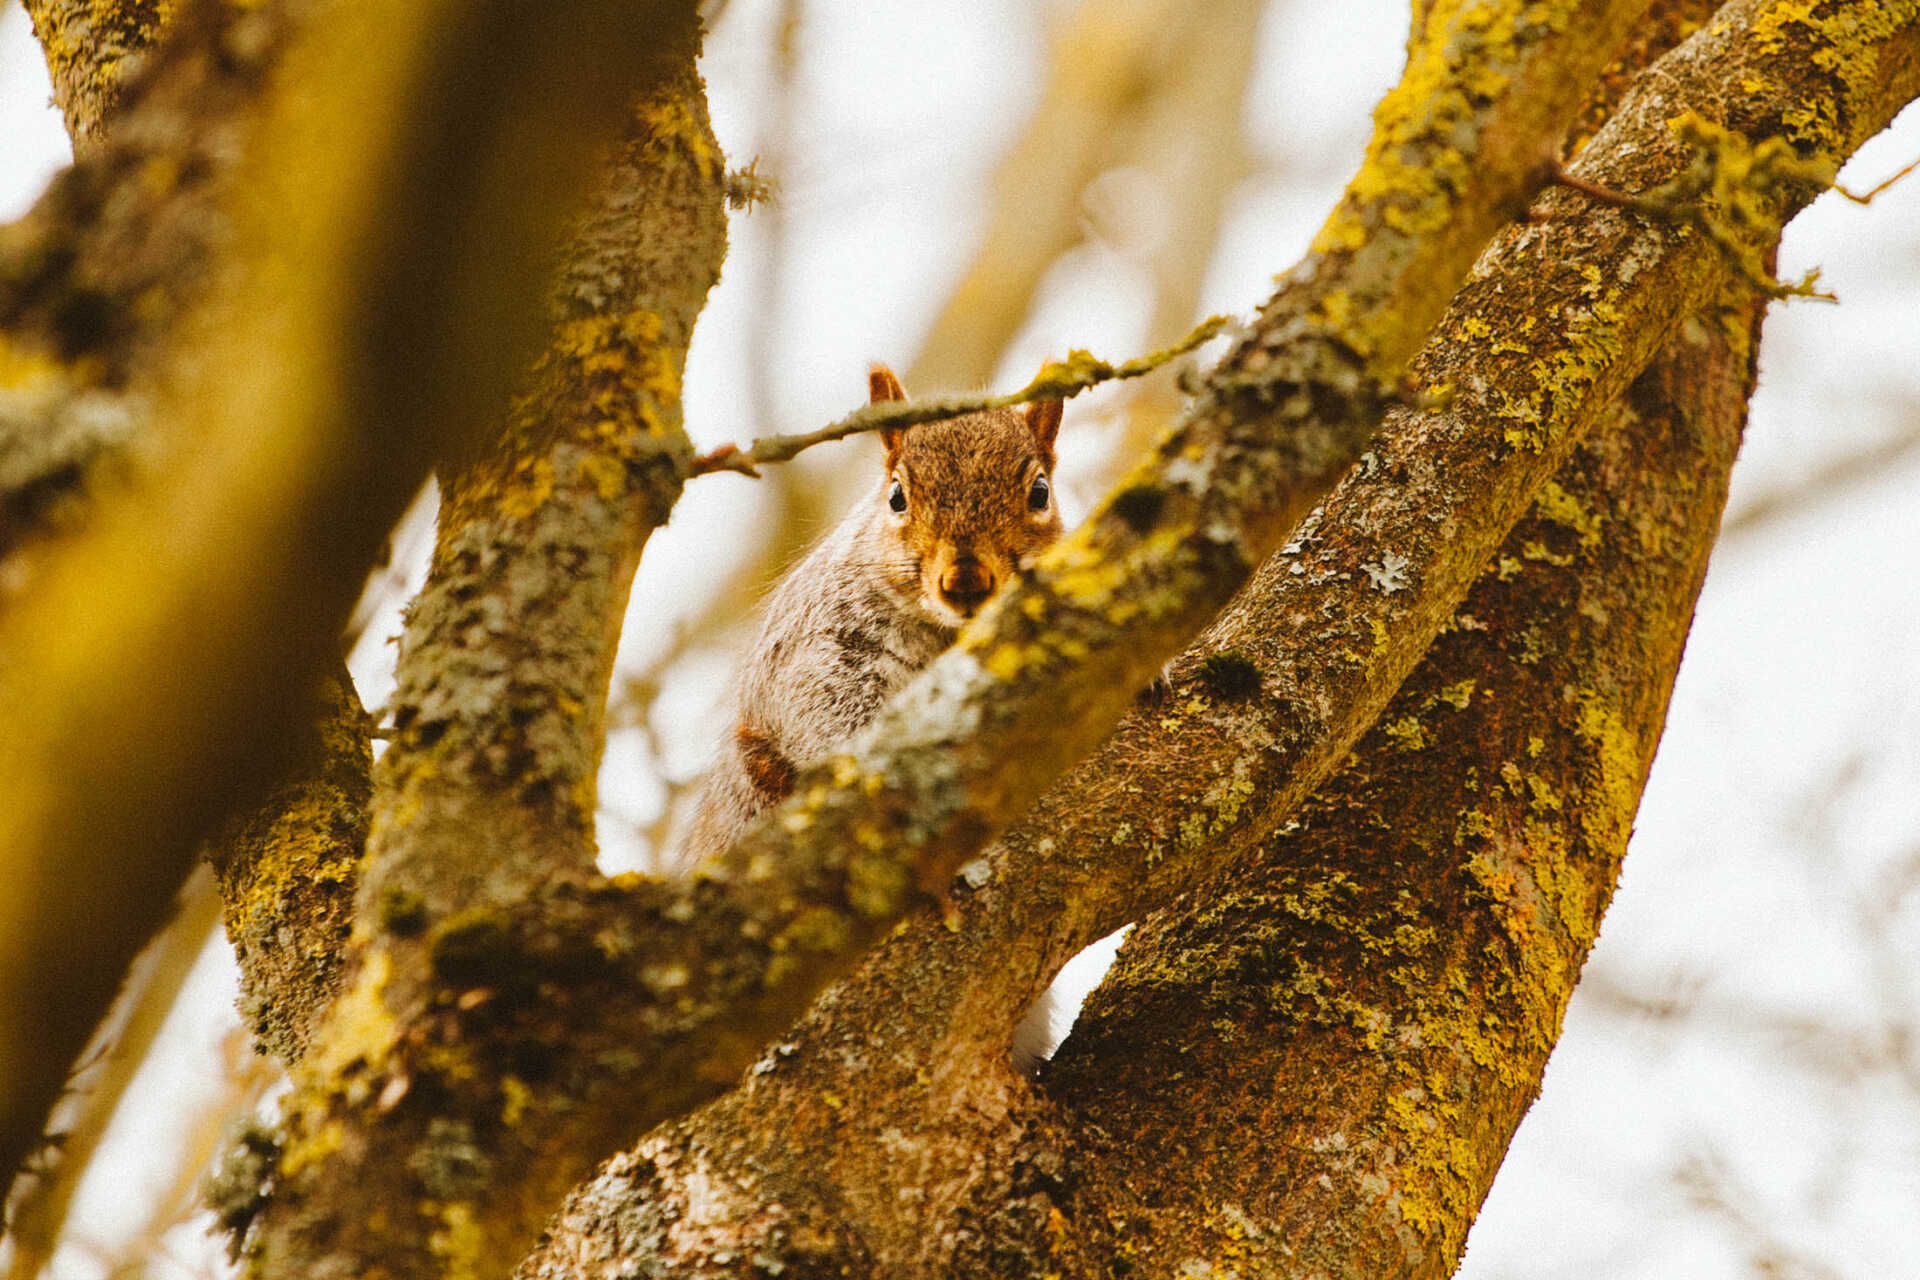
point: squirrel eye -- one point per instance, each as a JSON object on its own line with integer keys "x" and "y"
{"x": 897, "y": 498}
{"x": 1038, "y": 495}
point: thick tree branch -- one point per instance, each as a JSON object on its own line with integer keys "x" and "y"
{"x": 120, "y": 244}
{"x": 1328, "y": 628}
{"x": 1395, "y": 967}
{"x": 92, "y": 49}
{"x": 288, "y": 869}
{"x": 143, "y": 678}
{"x": 913, "y": 1046}
{"x": 479, "y": 888}
{"x": 96, "y": 277}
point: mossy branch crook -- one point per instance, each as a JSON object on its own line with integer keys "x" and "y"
{"x": 1057, "y": 380}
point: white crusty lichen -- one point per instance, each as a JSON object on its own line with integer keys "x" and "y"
{"x": 1389, "y": 573}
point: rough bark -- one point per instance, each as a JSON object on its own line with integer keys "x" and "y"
{"x": 315, "y": 408}
{"x": 461, "y": 1046}
{"x": 514, "y": 1014}
{"x": 444, "y": 1000}
{"x": 92, "y": 50}
{"x": 1558, "y": 317}
{"x": 886, "y": 1132}
{"x": 1359, "y": 1021}
{"x": 288, "y": 869}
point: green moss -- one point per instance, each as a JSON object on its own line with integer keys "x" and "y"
{"x": 1561, "y": 507}
{"x": 1406, "y": 733}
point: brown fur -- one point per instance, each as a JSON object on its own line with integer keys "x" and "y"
{"x": 770, "y": 773}
{"x": 878, "y": 598}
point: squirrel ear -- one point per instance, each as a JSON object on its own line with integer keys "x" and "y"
{"x": 1043, "y": 419}
{"x": 893, "y": 438}
{"x": 881, "y": 386}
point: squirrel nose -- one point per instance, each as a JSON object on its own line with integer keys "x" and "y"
{"x": 965, "y": 584}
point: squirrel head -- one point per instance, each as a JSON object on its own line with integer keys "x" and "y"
{"x": 967, "y": 501}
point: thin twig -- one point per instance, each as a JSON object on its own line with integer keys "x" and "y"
{"x": 1714, "y": 194}
{"x": 1057, "y": 380}
{"x": 1867, "y": 197}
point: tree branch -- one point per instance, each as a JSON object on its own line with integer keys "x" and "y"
{"x": 181, "y": 620}
{"x": 1057, "y": 380}
{"x": 914, "y": 1045}
{"x": 479, "y": 886}
{"x": 288, "y": 869}
{"x": 1329, "y": 626}
{"x": 92, "y": 49}
{"x": 1394, "y": 966}
{"x": 96, "y": 278}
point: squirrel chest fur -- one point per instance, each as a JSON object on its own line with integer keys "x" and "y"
{"x": 961, "y": 504}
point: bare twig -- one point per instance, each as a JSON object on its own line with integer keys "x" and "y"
{"x": 1057, "y": 380}
{"x": 1867, "y": 196}
{"x": 1715, "y": 194}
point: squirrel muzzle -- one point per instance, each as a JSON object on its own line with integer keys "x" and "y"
{"x": 965, "y": 585}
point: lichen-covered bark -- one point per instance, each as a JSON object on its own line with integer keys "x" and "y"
{"x": 1556, "y": 319}
{"x": 288, "y": 869}
{"x": 93, "y": 48}
{"x": 95, "y": 279}
{"x": 120, "y": 244}
{"x": 1054, "y": 662}
{"x": 886, "y": 1133}
{"x": 504, "y": 664}
{"x": 494, "y": 1042}
{"x": 377, "y": 283}
{"x": 1359, "y": 1021}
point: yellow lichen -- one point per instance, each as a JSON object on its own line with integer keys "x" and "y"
{"x": 1561, "y": 507}
{"x": 1406, "y": 733}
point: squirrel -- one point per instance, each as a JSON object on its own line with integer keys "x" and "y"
{"x": 961, "y": 505}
